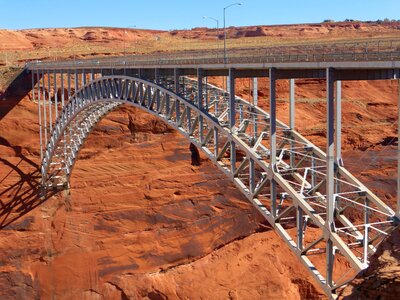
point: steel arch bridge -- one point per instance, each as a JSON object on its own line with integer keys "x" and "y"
{"x": 306, "y": 195}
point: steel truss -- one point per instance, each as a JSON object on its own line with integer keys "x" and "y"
{"x": 331, "y": 221}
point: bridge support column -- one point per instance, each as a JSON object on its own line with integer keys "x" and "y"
{"x": 69, "y": 83}
{"x": 300, "y": 226}
{"x": 200, "y": 101}
{"x": 292, "y": 115}
{"x": 33, "y": 85}
{"x": 252, "y": 184}
{"x": 39, "y": 115}
{"x": 231, "y": 91}
{"x": 338, "y": 133}
{"x": 44, "y": 107}
{"x": 157, "y": 81}
{"x": 176, "y": 80}
{"x": 206, "y": 100}
{"x": 330, "y": 197}
{"x": 62, "y": 106}
{"x": 272, "y": 128}
{"x": 338, "y": 119}
{"x": 83, "y": 77}
{"x": 255, "y": 102}
{"x": 50, "y": 106}
{"x": 227, "y": 83}
{"x": 62, "y": 89}
{"x": 330, "y": 118}
{"x": 232, "y": 115}
{"x": 176, "y": 90}
{"x": 76, "y": 81}
{"x": 55, "y": 94}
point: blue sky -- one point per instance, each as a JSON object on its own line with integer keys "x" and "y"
{"x": 185, "y": 14}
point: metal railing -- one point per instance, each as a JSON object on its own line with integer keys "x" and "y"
{"x": 385, "y": 50}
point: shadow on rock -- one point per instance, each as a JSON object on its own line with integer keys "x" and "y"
{"x": 25, "y": 194}
{"x": 15, "y": 92}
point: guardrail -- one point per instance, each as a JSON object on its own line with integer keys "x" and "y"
{"x": 359, "y": 51}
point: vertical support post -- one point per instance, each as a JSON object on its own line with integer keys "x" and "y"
{"x": 177, "y": 111}
{"x": 232, "y": 108}
{"x": 272, "y": 115}
{"x": 157, "y": 76}
{"x": 33, "y": 85}
{"x": 200, "y": 100}
{"x": 366, "y": 222}
{"x": 232, "y": 116}
{"x": 83, "y": 77}
{"x": 62, "y": 89}
{"x": 216, "y": 111}
{"x": 233, "y": 157}
{"x": 176, "y": 90}
{"x": 176, "y": 81}
{"x": 292, "y": 116}
{"x": 255, "y": 103}
{"x": 183, "y": 86}
{"x": 50, "y": 108}
{"x": 300, "y": 226}
{"x": 291, "y": 104}
{"x": 330, "y": 256}
{"x": 272, "y": 127}
{"x": 69, "y": 83}
{"x": 215, "y": 142}
{"x": 206, "y": 93}
{"x": 62, "y": 107}
{"x": 167, "y": 105}
{"x": 55, "y": 94}
{"x": 91, "y": 75}
{"x": 338, "y": 134}
{"x": 39, "y": 115}
{"x": 157, "y": 80}
{"x": 313, "y": 174}
{"x": 338, "y": 119}
{"x": 330, "y": 118}
{"x": 189, "y": 118}
{"x": 255, "y": 91}
{"x": 365, "y": 244}
{"x": 76, "y": 81}
{"x": 330, "y": 197}
{"x": 251, "y": 176}
{"x": 200, "y": 88}
{"x": 44, "y": 107}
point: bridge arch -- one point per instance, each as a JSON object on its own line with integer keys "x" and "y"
{"x": 97, "y": 98}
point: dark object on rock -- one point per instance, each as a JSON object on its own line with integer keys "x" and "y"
{"x": 195, "y": 155}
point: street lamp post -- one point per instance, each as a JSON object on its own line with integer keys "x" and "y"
{"x": 225, "y": 8}
{"x": 216, "y": 20}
